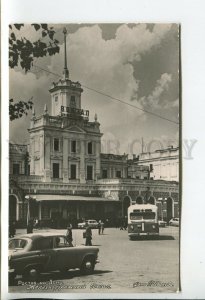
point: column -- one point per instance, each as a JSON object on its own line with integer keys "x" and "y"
{"x": 77, "y": 211}
{"x": 39, "y": 211}
{"x": 110, "y": 173}
{"x": 47, "y": 158}
{"x": 41, "y": 152}
{"x": 32, "y": 170}
{"x": 65, "y": 160}
{"x": 17, "y": 209}
{"x": 97, "y": 168}
{"x": 82, "y": 162}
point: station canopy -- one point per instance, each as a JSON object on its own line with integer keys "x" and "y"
{"x": 70, "y": 198}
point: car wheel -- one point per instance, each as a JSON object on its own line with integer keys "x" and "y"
{"x": 31, "y": 273}
{"x": 64, "y": 270}
{"x": 87, "y": 266}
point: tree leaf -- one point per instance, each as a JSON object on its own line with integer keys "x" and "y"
{"x": 36, "y": 26}
{"x": 44, "y": 33}
{"x": 44, "y": 26}
{"x": 51, "y": 34}
{"x": 18, "y": 26}
{"x": 13, "y": 37}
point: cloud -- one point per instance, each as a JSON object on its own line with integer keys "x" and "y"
{"x": 154, "y": 99}
{"x": 105, "y": 65}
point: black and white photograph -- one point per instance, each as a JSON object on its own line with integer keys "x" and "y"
{"x": 94, "y": 158}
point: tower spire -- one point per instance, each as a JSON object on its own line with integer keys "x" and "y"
{"x": 65, "y": 72}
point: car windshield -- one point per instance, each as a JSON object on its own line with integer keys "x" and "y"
{"x": 17, "y": 244}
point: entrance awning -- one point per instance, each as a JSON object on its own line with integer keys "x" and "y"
{"x": 71, "y": 198}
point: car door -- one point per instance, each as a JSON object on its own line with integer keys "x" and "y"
{"x": 47, "y": 253}
{"x": 65, "y": 255}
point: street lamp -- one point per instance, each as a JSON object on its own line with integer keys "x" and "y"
{"x": 28, "y": 198}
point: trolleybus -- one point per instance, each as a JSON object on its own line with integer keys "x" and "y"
{"x": 142, "y": 220}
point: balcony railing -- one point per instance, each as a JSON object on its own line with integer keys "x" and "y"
{"x": 24, "y": 178}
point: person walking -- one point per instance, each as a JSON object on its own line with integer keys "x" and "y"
{"x": 99, "y": 227}
{"x": 102, "y": 227}
{"x": 69, "y": 235}
{"x": 30, "y": 226}
{"x": 12, "y": 229}
{"x": 88, "y": 234}
{"x": 121, "y": 224}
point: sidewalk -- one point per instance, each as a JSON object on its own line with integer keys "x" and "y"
{"x": 36, "y": 230}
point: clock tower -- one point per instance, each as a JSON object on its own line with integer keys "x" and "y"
{"x": 65, "y": 93}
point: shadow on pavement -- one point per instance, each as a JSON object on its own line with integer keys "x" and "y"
{"x": 156, "y": 238}
{"x": 45, "y": 277}
{"x": 92, "y": 245}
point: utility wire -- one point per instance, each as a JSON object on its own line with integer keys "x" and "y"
{"x": 131, "y": 105}
{"x": 114, "y": 98}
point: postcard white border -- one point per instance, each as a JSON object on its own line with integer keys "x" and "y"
{"x": 190, "y": 14}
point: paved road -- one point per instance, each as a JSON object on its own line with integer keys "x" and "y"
{"x": 143, "y": 265}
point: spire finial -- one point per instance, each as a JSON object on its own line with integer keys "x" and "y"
{"x": 96, "y": 117}
{"x": 65, "y": 72}
{"x": 45, "y": 109}
{"x": 33, "y": 112}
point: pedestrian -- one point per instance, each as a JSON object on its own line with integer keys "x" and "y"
{"x": 99, "y": 227}
{"x": 30, "y": 226}
{"x": 125, "y": 223}
{"x": 121, "y": 224}
{"x": 88, "y": 234}
{"x": 36, "y": 224}
{"x": 69, "y": 235}
{"x": 102, "y": 227}
{"x": 12, "y": 229}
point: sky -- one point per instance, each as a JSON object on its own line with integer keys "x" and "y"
{"x": 136, "y": 63}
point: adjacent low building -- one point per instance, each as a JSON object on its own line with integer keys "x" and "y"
{"x": 163, "y": 163}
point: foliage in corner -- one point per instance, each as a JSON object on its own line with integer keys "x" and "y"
{"x": 22, "y": 52}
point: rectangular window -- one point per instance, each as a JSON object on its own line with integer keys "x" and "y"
{"x": 16, "y": 169}
{"x": 118, "y": 174}
{"x": 73, "y": 146}
{"x": 73, "y": 172}
{"x": 73, "y": 102}
{"x": 55, "y": 170}
{"x": 56, "y": 145}
{"x": 90, "y": 148}
{"x": 89, "y": 173}
{"x": 104, "y": 173}
{"x": 56, "y": 98}
{"x": 28, "y": 170}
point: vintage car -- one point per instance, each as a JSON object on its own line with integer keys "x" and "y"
{"x": 91, "y": 223}
{"x": 174, "y": 222}
{"x": 162, "y": 223}
{"x": 32, "y": 254}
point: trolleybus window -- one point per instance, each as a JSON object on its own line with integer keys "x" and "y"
{"x": 142, "y": 215}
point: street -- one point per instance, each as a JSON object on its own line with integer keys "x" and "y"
{"x": 143, "y": 265}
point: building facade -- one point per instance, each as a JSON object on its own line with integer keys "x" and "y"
{"x": 163, "y": 164}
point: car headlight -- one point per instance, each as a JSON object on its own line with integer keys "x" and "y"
{"x": 153, "y": 226}
{"x": 132, "y": 227}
